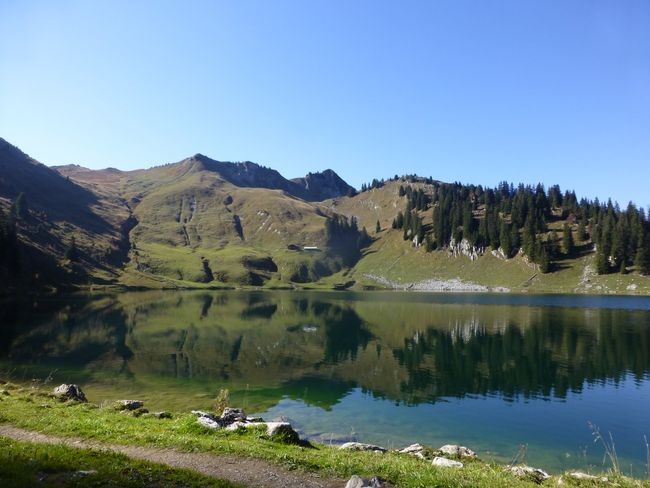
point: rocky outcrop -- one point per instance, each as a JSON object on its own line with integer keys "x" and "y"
{"x": 235, "y": 419}
{"x": 360, "y": 446}
{"x": 464, "y": 248}
{"x": 323, "y": 185}
{"x": 66, "y": 392}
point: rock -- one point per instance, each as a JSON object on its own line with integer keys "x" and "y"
{"x": 69, "y": 392}
{"x": 457, "y": 451}
{"x": 200, "y": 413}
{"x": 584, "y": 476}
{"x": 128, "y": 404}
{"x": 283, "y": 430}
{"x": 416, "y": 450}
{"x": 360, "y": 446}
{"x": 208, "y": 422}
{"x": 447, "y": 463}
{"x": 162, "y": 415}
{"x": 85, "y": 472}
{"x": 411, "y": 449}
{"x": 359, "y": 482}
{"x": 139, "y": 412}
{"x": 526, "y": 472}
{"x": 230, "y": 415}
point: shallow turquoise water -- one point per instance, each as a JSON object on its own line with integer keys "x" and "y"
{"x": 493, "y": 372}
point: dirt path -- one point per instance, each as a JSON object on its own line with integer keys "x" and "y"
{"x": 246, "y": 471}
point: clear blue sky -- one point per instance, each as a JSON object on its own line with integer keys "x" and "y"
{"x": 532, "y": 91}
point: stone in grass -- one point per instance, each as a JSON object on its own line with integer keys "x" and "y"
{"x": 5, "y": 392}
{"x": 416, "y": 450}
{"x": 360, "y": 446}
{"x": 139, "y": 412}
{"x": 578, "y": 475}
{"x": 447, "y": 463}
{"x": 128, "y": 404}
{"x": 358, "y": 482}
{"x": 208, "y": 422}
{"x": 162, "y": 415}
{"x": 457, "y": 451}
{"x": 280, "y": 431}
{"x": 66, "y": 392}
{"x": 526, "y": 472}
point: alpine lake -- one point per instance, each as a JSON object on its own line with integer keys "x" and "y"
{"x": 502, "y": 374}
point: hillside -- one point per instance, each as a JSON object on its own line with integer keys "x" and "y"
{"x": 206, "y": 223}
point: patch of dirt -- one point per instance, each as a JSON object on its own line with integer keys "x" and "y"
{"x": 246, "y": 471}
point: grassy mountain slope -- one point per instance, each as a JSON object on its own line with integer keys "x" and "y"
{"x": 206, "y": 223}
{"x": 57, "y": 211}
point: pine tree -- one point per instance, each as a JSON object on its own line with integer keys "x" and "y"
{"x": 20, "y": 208}
{"x": 582, "y": 231}
{"x": 642, "y": 261}
{"x": 378, "y": 227}
{"x": 567, "y": 240}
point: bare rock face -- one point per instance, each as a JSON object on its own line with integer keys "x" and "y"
{"x": 360, "y": 446}
{"x": 457, "y": 451}
{"x": 69, "y": 392}
{"x": 128, "y": 405}
{"x": 446, "y": 463}
{"x": 358, "y": 482}
{"x": 533, "y": 474}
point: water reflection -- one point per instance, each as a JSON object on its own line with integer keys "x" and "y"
{"x": 407, "y": 351}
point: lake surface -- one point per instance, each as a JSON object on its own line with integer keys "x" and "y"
{"x": 493, "y": 372}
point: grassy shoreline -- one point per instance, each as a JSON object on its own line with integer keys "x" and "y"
{"x": 32, "y": 408}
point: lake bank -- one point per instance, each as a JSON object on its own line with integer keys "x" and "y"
{"x": 33, "y": 408}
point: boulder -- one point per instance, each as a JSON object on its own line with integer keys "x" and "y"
{"x": 447, "y": 463}
{"x": 128, "y": 404}
{"x": 69, "y": 392}
{"x": 359, "y": 482}
{"x": 457, "y": 451}
{"x": 284, "y": 430}
{"x": 360, "y": 446}
{"x": 208, "y": 422}
{"x": 230, "y": 415}
{"x": 534, "y": 474}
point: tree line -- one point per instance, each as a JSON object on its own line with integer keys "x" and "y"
{"x": 511, "y": 218}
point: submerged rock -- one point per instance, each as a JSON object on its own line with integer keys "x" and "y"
{"x": 128, "y": 404}
{"x": 534, "y": 474}
{"x": 358, "y": 482}
{"x": 69, "y": 392}
{"x": 447, "y": 463}
{"x": 360, "y": 446}
{"x": 458, "y": 451}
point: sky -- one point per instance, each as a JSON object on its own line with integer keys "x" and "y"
{"x": 551, "y": 91}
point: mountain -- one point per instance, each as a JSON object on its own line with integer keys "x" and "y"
{"x": 324, "y": 185}
{"x": 200, "y": 222}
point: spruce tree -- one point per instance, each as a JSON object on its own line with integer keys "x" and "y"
{"x": 567, "y": 240}
{"x": 642, "y": 261}
{"x": 378, "y": 227}
{"x": 582, "y": 231}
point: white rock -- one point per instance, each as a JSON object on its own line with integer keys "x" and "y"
{"x": 128, "y": 404}
{"x": 455, "y": 450}
{"x": 584, "y": 476}
{"x": 359, "y": 482}
{"x": 360, "y": 446}
{"x": 412, "y": 448}
{"x": 447, "y": 463}
{"x": 536, "y": 474}
{"x": 208, "y": 422}
{"x": 69, "y": 392}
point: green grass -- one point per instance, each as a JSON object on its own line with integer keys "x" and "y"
{"x": 32, "y": 408}
{"x": 29, "y": 464}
